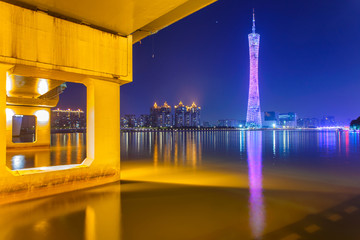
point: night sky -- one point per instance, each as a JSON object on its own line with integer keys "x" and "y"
{"x": 309, "y": 60}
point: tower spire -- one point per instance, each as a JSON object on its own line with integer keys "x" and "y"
{"x": 253, "y": 26}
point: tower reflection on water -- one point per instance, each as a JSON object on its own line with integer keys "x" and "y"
{"x": 185, "y": 149}
{"x": 256, "y": 202}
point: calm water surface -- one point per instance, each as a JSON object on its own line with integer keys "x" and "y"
{"x": 202, "y": 185}
{"x": 66, "y": 148}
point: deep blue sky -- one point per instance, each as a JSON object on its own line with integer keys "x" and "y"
{"x": 309, "y": 60}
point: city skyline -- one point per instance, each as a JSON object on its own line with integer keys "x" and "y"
{"x": 269, "y": 119}
{"x": 306, "y": 75}
{"x": 176, "y": 125}
{"x": 165, "y": 116}
{"x": 303, "y": 74}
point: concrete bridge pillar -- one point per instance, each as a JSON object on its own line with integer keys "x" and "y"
{"x": 3, "y": 70}
{"x": 103, "y": 121}
{"x": 38, "y": 47}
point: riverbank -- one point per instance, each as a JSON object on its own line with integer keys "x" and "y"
{"x": 211, "y": 129}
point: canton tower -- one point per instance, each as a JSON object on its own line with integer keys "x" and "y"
{"x": 253, "y": 116}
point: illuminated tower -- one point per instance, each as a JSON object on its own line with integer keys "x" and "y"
{"x": 253, "y": 117}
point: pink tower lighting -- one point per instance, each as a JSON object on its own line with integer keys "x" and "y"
{"x": 253, "y": 116}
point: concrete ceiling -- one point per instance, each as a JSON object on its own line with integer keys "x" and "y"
{"x": 124, "y": 17}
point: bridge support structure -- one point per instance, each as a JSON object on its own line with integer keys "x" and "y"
{"x": 36, "y": 45}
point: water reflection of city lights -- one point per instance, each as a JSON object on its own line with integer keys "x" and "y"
{"x": 256, "y": 202}
{"x": 347, "y": 148}
{"x": 274, "y": 143}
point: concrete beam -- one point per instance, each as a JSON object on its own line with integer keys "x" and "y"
{"x": 36, "y": 39}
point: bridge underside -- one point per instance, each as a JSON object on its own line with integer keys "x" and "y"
{"x": 53, "y": 42}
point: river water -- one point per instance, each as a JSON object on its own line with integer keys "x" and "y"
{"x": 277, "y": 184}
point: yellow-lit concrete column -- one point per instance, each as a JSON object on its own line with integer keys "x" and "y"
{"x": 103, "y": 123}
{"x": 2, "y": 116}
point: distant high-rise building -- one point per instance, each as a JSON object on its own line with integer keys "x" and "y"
{"x": 154, "y": 115}
{"x": 131, "y": 120}
{"x": 253, "y": 116}
{"x": 328, "y": 121}
{"x": 230, "y": 123}
{"x": 288, "y": 120}
{"x": 165, "y": 117}
{"x": 143, "y": 120}
{"x": 180, "y": 112}
{"x": 314, "y": 122}
{"x": 160, "y": 116}
{"x": 308, "y": 122}
{"x": 124, "y": 122}
{"x": 187, "y": 116}
{"x": 303, "y": 122}
{"x": 194, "y": 113}
{"x": 221, "y": 123}
{"x": 270, "y": 120}
{"x": 206, "y": 124}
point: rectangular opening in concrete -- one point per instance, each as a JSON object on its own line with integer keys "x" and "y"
{"x": 68, "y": 126}
{"x": 46, "y": 123}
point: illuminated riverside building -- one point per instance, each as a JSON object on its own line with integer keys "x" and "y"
{"x": 288, "y": 120}
{"x": 154, "y": 115}
{"x": 328, "y": 121}
{"x": 160, "y": 116}
{"x": 165, "y": 116}
{"x": 68, "y": 119}
{"x": 131, "y": 120}
{"x": 185, "y": 116}
{"x": 314, "y": 122}
{"x": 143, "y": 120}
{"x": 270, "y": 120}
{"x": 124, "y": 122}
{"x": 253, "y": 116}
{"x": 308, "y": 122}
{"x": 192, "y": 116}
{"x": 180, "y": 112}
{"x": 230, "y": 123}
{"x": 207, "y": 124}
